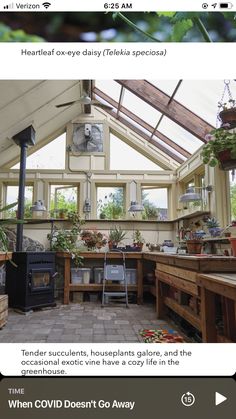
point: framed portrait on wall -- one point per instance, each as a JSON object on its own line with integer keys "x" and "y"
{"x": 88, "y": 137}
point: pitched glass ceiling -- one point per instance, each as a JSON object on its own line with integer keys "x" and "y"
{"x": 200, "y": 97}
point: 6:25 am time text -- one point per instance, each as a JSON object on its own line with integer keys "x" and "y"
{"x": 119, "y": 6}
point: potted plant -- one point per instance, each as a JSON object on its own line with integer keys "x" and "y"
{"x": 213, "y": 226}
{"x": 65, "y": 240}
{"x": 93, "y": 239}
{"x": 220, "y": 148}
{"x": 194, "y": 246}
{"x": 138, "y": 240}
{"x": 3, "y": 236}
{"x": 228, "y": 114}
{"x": 116, "y": 235}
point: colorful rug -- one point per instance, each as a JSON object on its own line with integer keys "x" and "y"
{"x": 160, "y": 336}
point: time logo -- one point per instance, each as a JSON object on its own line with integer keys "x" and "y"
{"x": 119, "y": 6}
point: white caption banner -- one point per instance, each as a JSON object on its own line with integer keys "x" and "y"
{"x": 117, "y": 60}
{"x": 118, "y": 359}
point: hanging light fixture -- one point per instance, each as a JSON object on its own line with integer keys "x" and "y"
{"x": 191, "y": 195}
{"x": 135, "y": 207}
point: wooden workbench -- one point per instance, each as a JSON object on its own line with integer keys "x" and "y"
{"x": 189, "y": 286}
{"x": 223, "y": 285}
{"x": 68, "y": 287}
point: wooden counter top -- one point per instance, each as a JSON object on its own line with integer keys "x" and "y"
{"x": 208, "y": 263}
{"x": 156, "y": 255}
{"x": 101, "y": 255}
{"x": 5, "y": 256}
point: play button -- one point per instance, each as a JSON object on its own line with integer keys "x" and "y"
{"x": 219, "y": 398}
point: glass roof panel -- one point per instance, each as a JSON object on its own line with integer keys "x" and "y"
{"x": 202, "y": 97}
{"x": 140, "y": 108}
{"x": 167, "y": 86}
{"x": 110, "y": 87}
{"x": 179, "y": 135}
{"x": 171, "y": 149}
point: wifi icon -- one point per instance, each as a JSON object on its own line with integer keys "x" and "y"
{"x": 46, "y": 4}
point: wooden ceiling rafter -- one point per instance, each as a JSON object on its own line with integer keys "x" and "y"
{"x": 87, "y": 88}
{"x": 122, "y": 92}
{"x": 143, "y": 124}
{"x": 171, "y": 98}
{"x": 171, "y": 109}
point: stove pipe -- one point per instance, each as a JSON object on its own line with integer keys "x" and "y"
{"x": 23, "y": 139}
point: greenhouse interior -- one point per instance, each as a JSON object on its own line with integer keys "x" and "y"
{"x": 118, "y": 211}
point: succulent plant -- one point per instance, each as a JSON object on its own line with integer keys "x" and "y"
{"x": 212, "y": 223}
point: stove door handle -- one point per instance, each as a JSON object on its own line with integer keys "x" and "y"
{"x": 30, "y": 279}
{"x": 54, "y": 274}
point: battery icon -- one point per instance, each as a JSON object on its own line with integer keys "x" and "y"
{"x": 225, "y": 5}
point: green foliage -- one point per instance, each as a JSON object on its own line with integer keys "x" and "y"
{"x": 137, "y": 237}
{"x": 11, "y": 212}
{"x": 150, "y": 211}
{"x": 63, "y": 202}
{"x": 233, "y": 201}
{"x": 3, "y": 236}
{"x": 181, "y": 24}
{"x": 116, "y": 235}
{"x": 112, "y": 209}
{"x": 212, "y": 223}
{"x": 9, "y": 35}
{"x": 180, "y": 29}
{"x": 65, "y": 240}
{"x": 219, "y": 140}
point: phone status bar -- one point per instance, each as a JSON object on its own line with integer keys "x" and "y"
{"x": 109, "y": 6}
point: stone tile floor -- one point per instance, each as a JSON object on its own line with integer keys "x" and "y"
{"x": 85, "y": 322}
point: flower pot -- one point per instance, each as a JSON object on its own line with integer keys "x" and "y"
{"x": 228, "y": 116}
{"x": 194, "y": 246}
{"x": 233, "y": 245}
{"x": 226, "y": 161}
{"x": 215, "y": 231}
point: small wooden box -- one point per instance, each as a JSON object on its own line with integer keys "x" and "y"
{"x": 3, "y": 310}
{"x": 78, "y": 297}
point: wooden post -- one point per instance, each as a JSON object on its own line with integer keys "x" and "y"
{"x": 67, "y": 280}
{"x": 208, "y": 316}
{"x": 140, "y": 281}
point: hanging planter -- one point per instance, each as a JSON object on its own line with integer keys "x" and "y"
{"x": 220, "y": 149}
{"x": 228, "y": 116}
{"x": 227, "y": 108}
{"x": 226, "y": 160}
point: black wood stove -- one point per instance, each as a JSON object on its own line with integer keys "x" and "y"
{"x": 30, "y": 280}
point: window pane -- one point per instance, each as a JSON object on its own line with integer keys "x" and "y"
{"x": 232, "y": 196}
{"x": 155, "y": 201}
{"x": 130, "y": 158}
{"x": 179, "y": 135}
{"x": 12, "y": 196}
{"x": 51, "y": 156}
{"x": 110, "y": 203}
{"x": 64, "y": 197}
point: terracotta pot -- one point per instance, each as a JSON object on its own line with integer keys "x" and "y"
{"x": 233, "y": 245}
{"x": 194, "y": 246}
{"x": 228, "y": 116}
{"x": 226, "y": 161}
